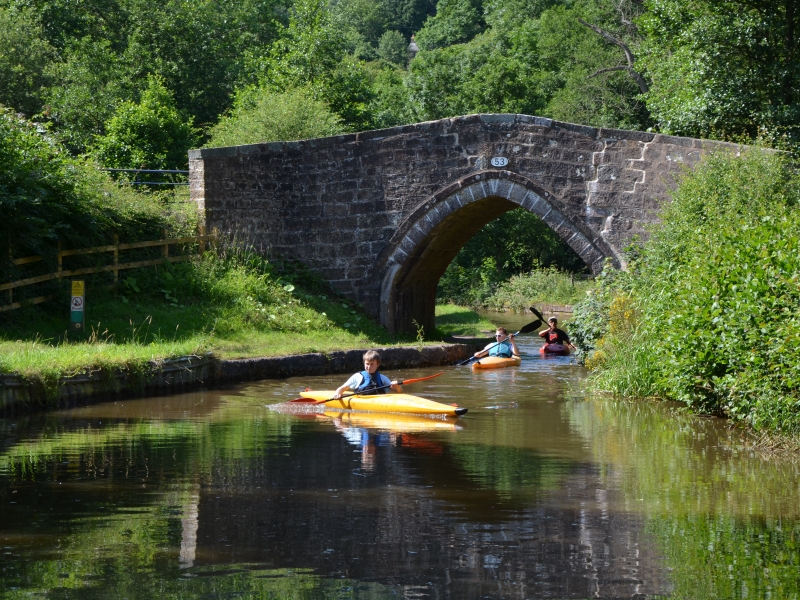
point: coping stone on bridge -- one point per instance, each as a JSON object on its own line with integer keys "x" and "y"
{"x": 380, "y": 214}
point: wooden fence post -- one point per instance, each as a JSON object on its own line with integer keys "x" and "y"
{"x": 166, "y": 245}
{"x": 202, "y": 242}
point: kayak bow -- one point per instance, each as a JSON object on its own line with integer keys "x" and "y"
{"x": 497, "y": 362}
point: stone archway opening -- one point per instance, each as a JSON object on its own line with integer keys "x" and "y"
{"x": 415, "y": 287}
{"x": 423, "y": 248}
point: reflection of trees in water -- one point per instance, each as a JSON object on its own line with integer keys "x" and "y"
{"x": 725, "y": 519}
{"x": 423, "y": 519}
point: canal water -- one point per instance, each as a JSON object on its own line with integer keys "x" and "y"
{"x": 537, "y": 492}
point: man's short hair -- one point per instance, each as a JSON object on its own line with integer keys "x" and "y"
{"x": 373, "y": 355}
{"x": 502, "y": 330}
{"x": 552, "y": 320}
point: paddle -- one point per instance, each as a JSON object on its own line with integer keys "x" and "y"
{"x": 532, "y": 326}
{"x": 383, "y": 387}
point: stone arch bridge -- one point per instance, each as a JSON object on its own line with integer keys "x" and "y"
{"x": 380, "y": 214}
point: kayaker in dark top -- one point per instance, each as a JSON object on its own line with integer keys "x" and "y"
{"x": 369, "y": 381}
{"x": 554, "y": 335}
{"x": 506, "y": 348}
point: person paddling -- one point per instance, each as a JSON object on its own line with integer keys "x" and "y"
{"x": 554, "y": 335}
{"x": 369, "y": 382}
{"x": 505, "y": 346}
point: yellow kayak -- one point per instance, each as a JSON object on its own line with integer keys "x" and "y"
{"x": 395, "y": 423}
{"x": 497, "y": 362}
{"x": 387, "y": 403}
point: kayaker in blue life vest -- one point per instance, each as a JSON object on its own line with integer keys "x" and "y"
{"x": 506, "y": 348}
{"x": 554, "y": 335}
{"x": 369, "y": 381}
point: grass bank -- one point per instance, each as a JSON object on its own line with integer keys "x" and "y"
{"x": 234, "y": 304}
{"x": 708, "y": 313}
{"x": 460, "y": 320}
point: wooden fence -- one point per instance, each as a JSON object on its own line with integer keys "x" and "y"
{"x": 115, "y": 267}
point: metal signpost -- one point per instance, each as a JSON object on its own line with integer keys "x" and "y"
{"x": 77, "y": 305}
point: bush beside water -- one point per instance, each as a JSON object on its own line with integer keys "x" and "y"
{"x": 709, "y": 312}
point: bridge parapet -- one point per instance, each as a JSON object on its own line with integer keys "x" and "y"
{"x": 380, "y": 214}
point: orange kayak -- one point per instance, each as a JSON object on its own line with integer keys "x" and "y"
{"x": 496, "y": 362}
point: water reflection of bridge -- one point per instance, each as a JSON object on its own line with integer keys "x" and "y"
{"x": 420, "y": 521}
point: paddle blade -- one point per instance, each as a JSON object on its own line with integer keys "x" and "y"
{"x": 532, "y": 326}
{"x": 537, "y": 313}
{"x": 405, "y": 381}
{"x": 306, "y": 401}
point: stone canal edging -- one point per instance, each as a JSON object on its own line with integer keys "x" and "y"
{"x": 18, "y": 393}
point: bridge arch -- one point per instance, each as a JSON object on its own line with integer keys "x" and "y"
{"x": 430, "y": 237}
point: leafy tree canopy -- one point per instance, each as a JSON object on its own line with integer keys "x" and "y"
{"x": 261, "y": 115}
{"x": 149, "y": 135}
{"x": 722, "y": 68}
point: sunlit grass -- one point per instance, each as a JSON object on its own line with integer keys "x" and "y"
{"x": 459, "y": 320}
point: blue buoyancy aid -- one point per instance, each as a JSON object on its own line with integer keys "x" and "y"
{"x": 370, "y": 383}
{"x": 503, "y": 349}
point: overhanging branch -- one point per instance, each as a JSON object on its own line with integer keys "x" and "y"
{"x": 628, "y": 56}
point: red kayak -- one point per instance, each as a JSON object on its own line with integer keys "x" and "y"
{"x": 554, "y": 349}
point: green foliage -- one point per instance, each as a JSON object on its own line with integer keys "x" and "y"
{"x": 311, "y": 53}
{"x": 711, "y": 302}
{"x": 514, "y": 243}
{"x": 87, "y": 85}
{"x": 104, "y": 51}
{"x": 589, "y": 322}
{"x": 534, "y": 58}
{"x": 722, "y": 68}
{"x": 261, "y": 115}
{"x": 537, "y": 286}
{"x": 393, "y": 48}
{"x": 24, "y": 55}
{"x": 390, "y": 104}
{"x": 571, "y": 54}
{"x": 455, "y": 21}
{"x": 47, "y": 197}
{"x": 488, "y": 74}
{"x": 149, "y": 135}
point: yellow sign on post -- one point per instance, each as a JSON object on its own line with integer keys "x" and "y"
{"x": 77, "y": 306}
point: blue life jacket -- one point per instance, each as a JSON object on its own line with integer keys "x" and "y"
{"x": 370, "y": 383}
{"x": 503, "y": 349}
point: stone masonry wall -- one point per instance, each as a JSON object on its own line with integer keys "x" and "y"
{"x": 380, "y": 214}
